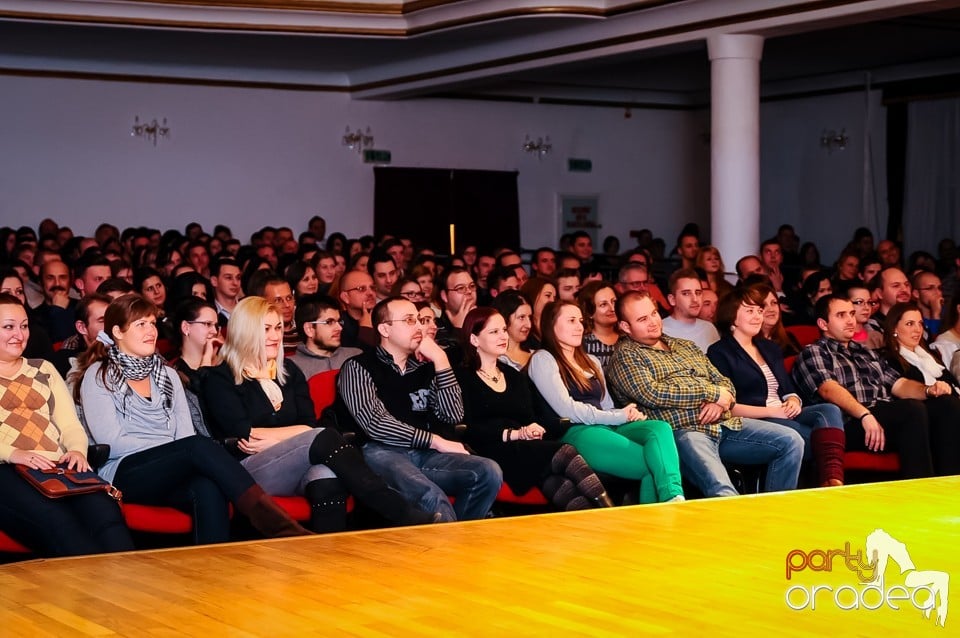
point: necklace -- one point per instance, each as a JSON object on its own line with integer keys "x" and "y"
{"x": 495, "y": 378}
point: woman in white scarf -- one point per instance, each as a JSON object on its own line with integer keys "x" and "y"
{"x": 905, "y": 350}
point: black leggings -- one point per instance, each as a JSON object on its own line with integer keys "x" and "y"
{"x": 69, "y": 526}
{"x": 195, "y": 475}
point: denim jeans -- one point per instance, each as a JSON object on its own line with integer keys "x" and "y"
{"x": 759, "y": 442}
{"x": 812, "y": 417}
{"x": 426, "y": 477}
{"x": 284, "y": 469}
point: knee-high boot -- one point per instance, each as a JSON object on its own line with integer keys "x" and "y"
{"x": 828, "y": 449}
{"x": 328, "y": 505}
{"x": 561, "y": 491}
{"x": 266, "y": 516}
{"x": 329, "y": 448}
{"x": 568, "y": 462}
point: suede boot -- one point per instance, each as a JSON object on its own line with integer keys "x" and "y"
{"x": 266, "y": 516}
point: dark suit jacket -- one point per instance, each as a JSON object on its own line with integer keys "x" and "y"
{"x": 734, "y": 363}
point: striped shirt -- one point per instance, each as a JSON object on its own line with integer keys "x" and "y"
{"x": 441, "y": 400}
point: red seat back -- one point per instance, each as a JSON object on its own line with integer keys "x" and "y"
{"x": 788, "y": 363}
{"x": 323, "y": 389}
{"x": 804, "y": 334}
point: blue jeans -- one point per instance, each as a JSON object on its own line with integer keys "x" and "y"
{"x": 284, "y": 469}
{"x": 426, "y": 477}
{"x": 759, "y": 442}
{"x": 813, "y": 417}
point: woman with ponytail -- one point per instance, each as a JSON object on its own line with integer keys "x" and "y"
{"x": 136, "y": 404}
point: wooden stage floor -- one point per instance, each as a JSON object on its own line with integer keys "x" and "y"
{"x": 707, "y": 568}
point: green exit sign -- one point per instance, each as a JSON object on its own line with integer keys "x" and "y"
{"x": 373, "y": 156}
{"x": 579, "y": 165}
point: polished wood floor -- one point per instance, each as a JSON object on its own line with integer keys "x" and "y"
{"x": 701, "y": 568}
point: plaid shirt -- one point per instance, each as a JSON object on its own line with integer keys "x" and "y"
{"x": 671, "y": 385}
{"x": 855, "y": 367}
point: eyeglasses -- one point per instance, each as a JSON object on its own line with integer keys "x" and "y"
{"x": 412, "y": 294}
{"x": 463, "y": 288}
{"x": 426, "y": 321}
{"x": 327, "y": 322}
{"x": 635, "y": 284}
{"x": 932, "y": 287}
{"x": 209, "y": 325}
{"x": 860, "y": 302}
{"x": 410, "y": 320}
{"x": 360, "y": 289}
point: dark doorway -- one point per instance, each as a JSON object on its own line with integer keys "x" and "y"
{"x": 422, "y": 203}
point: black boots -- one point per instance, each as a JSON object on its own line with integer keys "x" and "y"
{"x": 328, "y": 505}
{"x": 329, "y": 448}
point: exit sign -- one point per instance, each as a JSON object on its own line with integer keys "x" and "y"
{"x": 373, "y": 156}
{"x": 579, "y": 165}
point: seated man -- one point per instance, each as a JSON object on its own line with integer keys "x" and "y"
{"x": 320, "y": 329}
{"x": 89, "y": 323}
{"x": 876, "y": 400}
{"x": 358, "y": 297}
{"x": 686, "y": 296}
{"x": 568, "y": 284}
{"x": 401, "y": 397}
{"x": 671, "y": 380}
{"x": 928, "y": 295}
{"x": 889, "y": 287}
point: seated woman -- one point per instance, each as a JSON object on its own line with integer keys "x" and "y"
{"x": 616, "y": 441}
{"x": 598, "y": 302}
{"x": 38, "y": 344}
{"x": 517, "y": 314}
{"x": 538, "y": 292}
{"x": 905, "y": 351}
{"x": 148, "y": 283}
{"x": 948, "y": 342}
{"x": 498, "y": 409}
{"x": 262, "y": 400}
{"x": 39, "y": 429}
{"x": 136, "y": 404}
{"x": 197, "y": 339}
{"x": 709, "y": 260}
{"x": 765, "y": 390}
{"x": 302, "y": 279}
{"x": 772, "y": 327}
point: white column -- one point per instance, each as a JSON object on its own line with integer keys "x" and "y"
{"x": 735, "y": 144}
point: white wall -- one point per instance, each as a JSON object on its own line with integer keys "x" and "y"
{"x": 820, "y": 193}
{"x": 251, "y": 157}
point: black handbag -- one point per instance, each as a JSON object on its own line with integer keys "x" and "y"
{"x": 59, "y": 482}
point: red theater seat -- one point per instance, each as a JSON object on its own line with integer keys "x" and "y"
{"x": 156, "y": 519}
{"x": 871, "y": 462}
{"x": 10, "y": 546}
{"x": 323, "y": 389}
{"x": 532, "y": 497}
{"x": 804, "y": 334}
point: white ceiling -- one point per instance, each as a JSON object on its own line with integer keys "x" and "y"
{"x": 643, "y": 53}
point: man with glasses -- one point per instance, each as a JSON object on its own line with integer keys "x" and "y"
{"x": 458, "y": 292}
{"x": 357, "y": 299}
{"x": 404, "y": 400}
{"x": 928, "y": 293}
{"x": 384, "y": 271}
{"x": 321, "y": 329}
{"x": 863, "y": 307}
{"x": 634, "y": 276}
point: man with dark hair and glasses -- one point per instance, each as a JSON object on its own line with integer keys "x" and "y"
{"x": 321, "y": 329}
{"x": 864, "y": 305}
{"x": 458, "y": 292}
{"x": 928, "y": 295}
{"x": 357, "y": 299}
{"x": 404, "y": 400}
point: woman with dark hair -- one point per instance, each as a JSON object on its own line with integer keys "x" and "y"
{"x": 262, "y": 400}
{"x": 40, "y": 430}
{"x": 336, "y": 243}
{"x": 764, "y": 389}
{"x": 947, "y": 343}
{"x": 186, "y": 285}
{"x": 905, "y": 351}
{"x": 517, "y": 314}
{"x": 39, "y": 345}
{"x": 617, "y": 441}
{"x": 598, "y": 302}
{"x": 302, "y": 279}
{"x": 168, "y": 258}
{"x": 409, "y": 289}
{"x": 815, "y": 286}
{"x": 810, "y": 256}
{"x": 538, "y": 292}
{"x": 156, "y": 458}
{"x": 499, "y": 410}
{"x": 772, "y": 327}
{"x": 149, "y": 283}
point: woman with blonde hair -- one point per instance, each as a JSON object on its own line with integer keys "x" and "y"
{"x": 710, "y": 262}
{"x": 261, "y": 399}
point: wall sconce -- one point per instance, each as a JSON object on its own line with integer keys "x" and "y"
{"x": 358, "y": 140}
{"x": 150, "y": 131}
{"x": 541, "y": 147}
{"x": 833, "y": 140}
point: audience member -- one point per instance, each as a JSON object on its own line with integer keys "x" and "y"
{"x": 598, "y": 304}
{"x": 321, "y": 329}
{"x": 517, "y": 314}
{"x": 686, "y": 293}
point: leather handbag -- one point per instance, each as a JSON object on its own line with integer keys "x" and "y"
{"x": 59, "y": 481}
